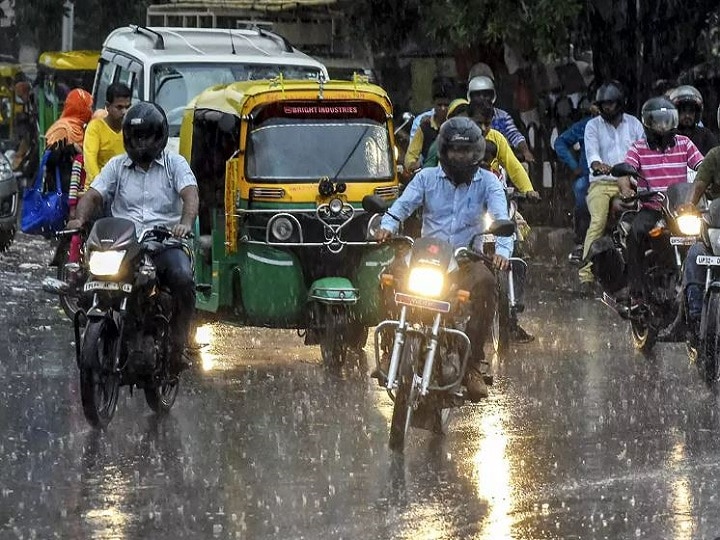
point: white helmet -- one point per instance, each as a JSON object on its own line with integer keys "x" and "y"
{"x": 481, "y": 83}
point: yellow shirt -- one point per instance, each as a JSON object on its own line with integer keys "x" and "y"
{"x": 414, "y": 150}
{"x": 100, "y": 144}
{"x": 507, "y": 158}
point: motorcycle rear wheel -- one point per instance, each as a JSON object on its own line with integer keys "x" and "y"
{"x": 643, "y": 335}
{"x": 99, "y": 387}
{"x": 709, "y": 349}
{"x": 402, "y": 409}
{"x": 7, "y": 236}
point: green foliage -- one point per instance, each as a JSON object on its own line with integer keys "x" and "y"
{"x": 533, "y": 27}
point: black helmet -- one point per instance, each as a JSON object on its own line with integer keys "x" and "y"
{"x": 660, "y": 118}
{"x": 460, "y": 132}
{"x": 687, "y": 96}
{"x": 609, "y": 93}
{"x": 145, "y": 131}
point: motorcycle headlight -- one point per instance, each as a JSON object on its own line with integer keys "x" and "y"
{"x": 282, "y": 229}
{"x": 689, "y": 224}
{"x": 426, "y": 281}
{"x": 105, "y": 263}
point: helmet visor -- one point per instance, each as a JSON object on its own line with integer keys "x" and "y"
{"x": 661, "y": 120}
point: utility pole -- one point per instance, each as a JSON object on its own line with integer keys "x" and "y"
{"x": 68, "y": 25}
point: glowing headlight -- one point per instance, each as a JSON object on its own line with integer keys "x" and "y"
{"x": 282, "y": 229}
{"x": 106, "y": 263}
{"x": 689, "y": 224}
{"x": 426, "y": 281}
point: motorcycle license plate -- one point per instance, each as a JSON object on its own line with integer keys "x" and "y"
{"x": 708, "y": 260}
{"x": 425, "y": 303}
{"x": 682, "y": 240}
{"x": 487, "y": 238}
{"x": 106, "y": 286}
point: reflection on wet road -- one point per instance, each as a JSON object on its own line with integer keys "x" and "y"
{"x": 581, "y": 438}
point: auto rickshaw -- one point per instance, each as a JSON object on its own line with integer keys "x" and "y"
{"x": 58, "y": 73}
{"x": 282, "y": 239}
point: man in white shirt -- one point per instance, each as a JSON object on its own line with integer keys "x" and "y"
{"x": 607, "y": 139}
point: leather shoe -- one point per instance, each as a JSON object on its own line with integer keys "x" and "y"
{"x": 475, "y": 384}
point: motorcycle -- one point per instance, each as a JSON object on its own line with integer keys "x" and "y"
{"x": 509, "y": 284}
{"x": 430, "y": 349}
{"x": 124, "y": 336}
{"x": 9, "y": 203}
{"x": 662, "y": 317}
{"x": 707, "y": 353}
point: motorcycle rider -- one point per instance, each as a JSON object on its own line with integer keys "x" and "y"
{"x": 454, "y": 197}
{"x": 661, "y": 159}
{"x": 607, "y": 139}
{"x": 707, "y": 182}
{"x": 689, "y": 103}
{"x": 152, "y": 186}
{"x": 481, "y": 89}
{"x": 428, "y": 127}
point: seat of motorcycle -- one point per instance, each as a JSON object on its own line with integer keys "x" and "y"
{"x": 205, "y": 245}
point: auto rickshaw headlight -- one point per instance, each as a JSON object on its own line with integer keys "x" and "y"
{"x": 336, "y": 206}
{"x": 282, "y": 229}
{"x": 373, "y": 226}
{"x": 106, "y": 263}
{"x": 689, "y": 224}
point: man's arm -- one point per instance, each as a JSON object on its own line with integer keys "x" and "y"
{"x": 512, "y": 134}
{"x": 507, "y": 158}
{"x": 497, "y": 206}
{"x": 564, "y": 146}
{"x": 406, "y": 204}
{"x": 412, "y": 155}
{"x": 592, "y": 149}
{"x": 709, "y": 169}
{"x": 191, "y": 204}
{"x": 86, "y": 208}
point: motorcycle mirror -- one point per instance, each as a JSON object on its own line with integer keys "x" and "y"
{"x": 407, "y": 116}
{"x": 623, "y": 169}
{"x": 375, "y": 204}
{"x": 501, "y": 227}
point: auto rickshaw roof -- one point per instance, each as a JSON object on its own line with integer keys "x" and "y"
{"x": 69, "y": 60}
{"x": 232, "y": 98}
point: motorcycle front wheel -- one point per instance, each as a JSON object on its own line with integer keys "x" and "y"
{"x": 99, "y": 386}
{"x": 709, "y": 349}
{"x": 68, "y": 303}
{"x": 643, "y": 335}
{"x": 403, "y": 406}
{"x": 162, "y": 397}
{"x": 500, "y": 330}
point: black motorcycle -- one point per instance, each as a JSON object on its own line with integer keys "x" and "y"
{"x": 423, "y": 365}
{"x": 662, "y": 318}
{"x": 124, "y": 336}
{"x": 706, "y": 352}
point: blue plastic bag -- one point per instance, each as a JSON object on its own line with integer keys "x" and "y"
{"x": 44, "y": 213}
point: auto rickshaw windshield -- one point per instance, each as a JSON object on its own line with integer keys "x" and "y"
{"x": 301, "y": 143}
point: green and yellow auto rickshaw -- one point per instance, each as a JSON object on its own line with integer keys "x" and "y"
{"x": 282, "y": 239}
{"x": 57, "y": 74}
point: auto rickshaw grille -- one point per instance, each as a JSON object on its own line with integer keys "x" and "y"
{"x": 267, "y": 193}
{"x": 387, "y": 192}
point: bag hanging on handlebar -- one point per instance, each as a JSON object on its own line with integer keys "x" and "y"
{"x": 43, "y": 212}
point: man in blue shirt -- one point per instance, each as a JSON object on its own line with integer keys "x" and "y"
{"x": 455, "y": 197}
{"x": 565, "y": 145}
{"x": 152, "y": 187}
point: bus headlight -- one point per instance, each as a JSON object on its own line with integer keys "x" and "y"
{"x": 689, "y": 224}
{"x": 105, "y": 263}
{"x": 426, "y": 281}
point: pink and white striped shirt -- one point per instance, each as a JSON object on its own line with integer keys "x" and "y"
{"x": 660, "y": 170}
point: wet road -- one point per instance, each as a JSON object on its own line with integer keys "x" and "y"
{"x": 581, "y": 438}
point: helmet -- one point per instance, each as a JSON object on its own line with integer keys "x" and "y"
{"x": 483, "y": 84}
{"x": 457, "y": 107}
{"x": 145, "y": 131}
{"x": 456, "y": 133}
{"x": 607, "y": 93}
{"x": 687, "y": 96}
{"x": 660, "y": 118}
